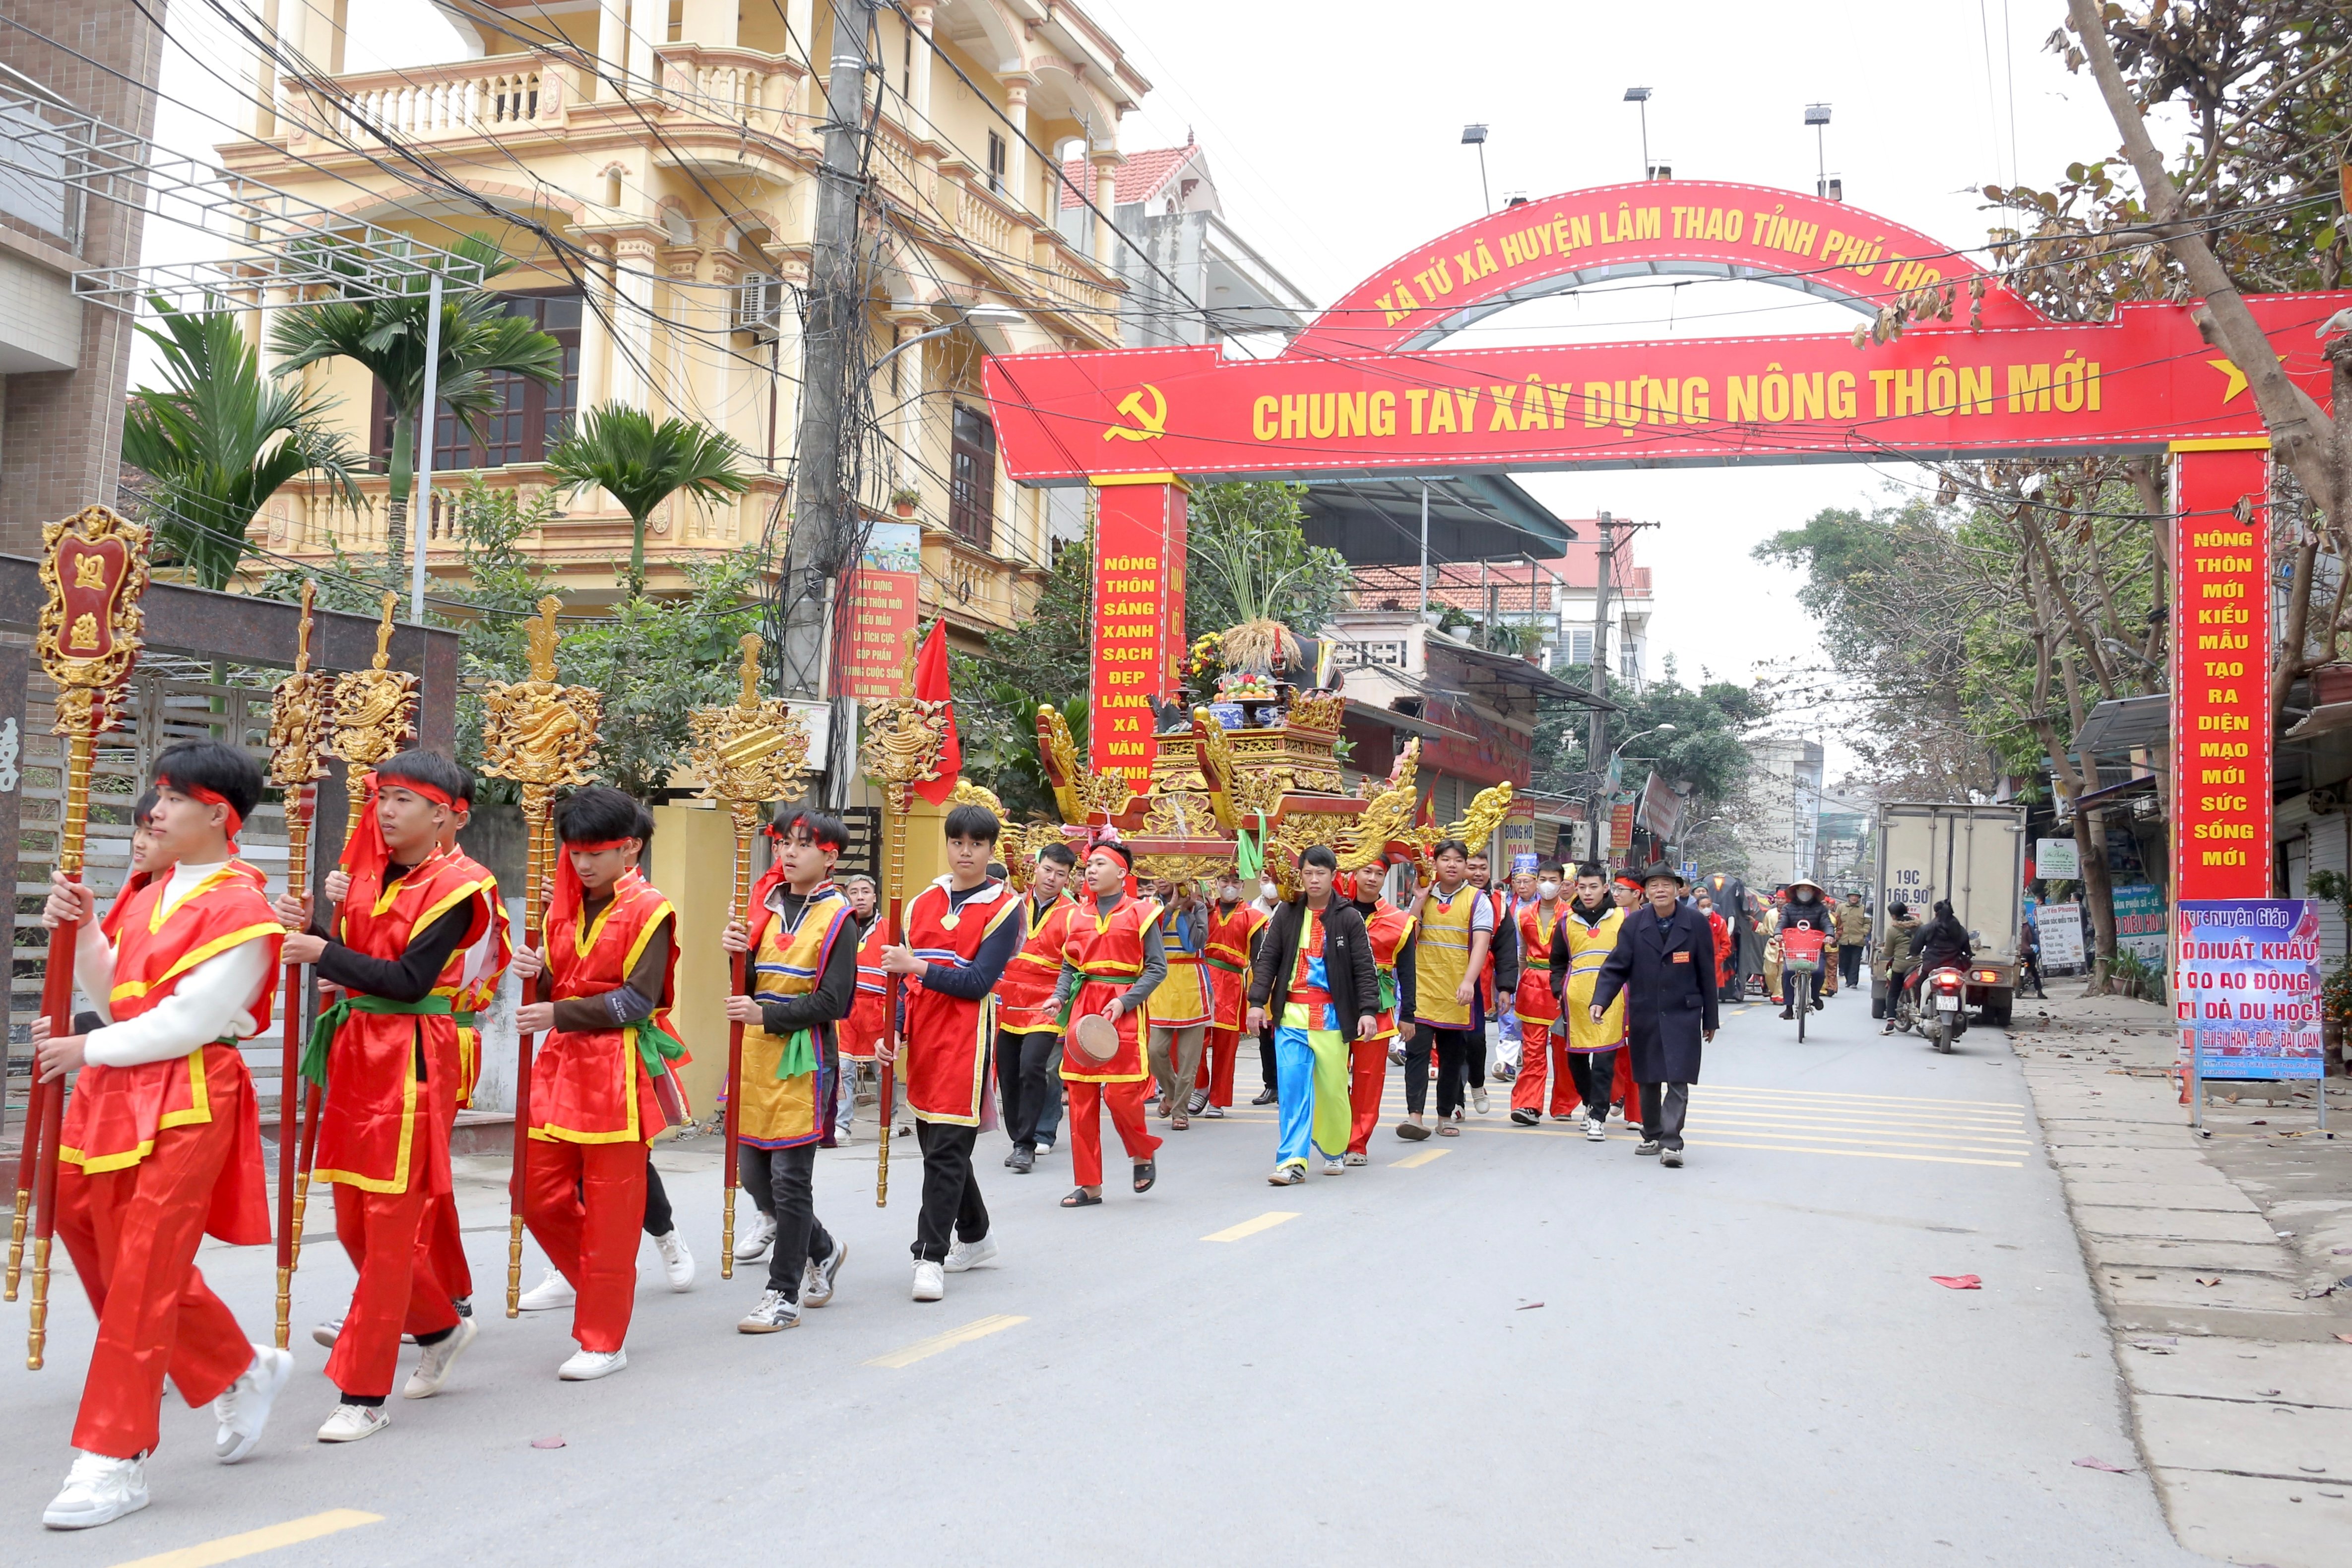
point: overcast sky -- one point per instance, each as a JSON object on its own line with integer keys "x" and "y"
{"x": 1334, "y": 133}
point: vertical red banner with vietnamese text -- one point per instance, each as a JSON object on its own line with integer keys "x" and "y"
{"x": 2221, "y": 670}
{"x": 1138, "y": 631}
{"x": 885, "y": 601}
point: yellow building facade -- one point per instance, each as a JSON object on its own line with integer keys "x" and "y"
{"x": 652, "y": 164}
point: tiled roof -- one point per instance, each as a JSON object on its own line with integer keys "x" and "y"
{"x": 1141, "y": 178}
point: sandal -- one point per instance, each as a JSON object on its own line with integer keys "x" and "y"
{"x": 1179, "y": 1122}
{"x": 1080, "y": 1199}
{"x": 1146, "y": 1172}
{"x": 1448, "y": 1130}
{"x": 1411, "y": 1132}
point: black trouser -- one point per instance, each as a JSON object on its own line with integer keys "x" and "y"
{"x": 1027, "y": 1081}
{"x": 659, "y": 1221}
{"x": 950, "y": 1190}
{"x": 1455, "y": 1048}
{"x": 1416, "y": 1065}
{"x": 782, "y": 1183}
{"x": 1850, "y": 964}
{"x": 1664, "y": 1105}
{"x": 1594, "y": 1072}
{"x": 2030, "y": 970}
{"x": 1266, "y": 1053}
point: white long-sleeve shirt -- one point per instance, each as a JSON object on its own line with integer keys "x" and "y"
{"x": 214, "y": 1000}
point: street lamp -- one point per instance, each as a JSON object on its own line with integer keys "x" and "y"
{"x": 1601, "y": 779}
{"x": 1641, "y": 95}
{"x": 1476, "y": 136}
{"x": 1817, "y": 115}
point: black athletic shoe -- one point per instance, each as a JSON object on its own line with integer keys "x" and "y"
{"x": 1788, "y": 1012}
{"x": 1264, "y": 1097}
{"x": 1022, "y": 1161}
{"x": 1527, "y": 1118}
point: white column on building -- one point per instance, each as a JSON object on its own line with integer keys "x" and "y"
{"x": 611, "y": 44}
{"x": 1016, "y": 150}
{"x": 632, "y": 323}
{"x": 644, "y": 17}
{"x": 335, "y": 15}
{"x": 718, "y": 340}
{"x": 1107, "y": 160}
{"x": 596, "y": 337}
{"x": 710, "y": 23}
{"x": 799, "y": 21}
{"x": 294, "y": 42}
{"x": 906, "y": 392}
{"x": 919, "y": 81}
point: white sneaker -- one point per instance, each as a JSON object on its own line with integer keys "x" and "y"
{"x": 772, "y": 1315}
{"x": 328, "y": 1333}
{"x": 1595, "y": 1131}
{"x": 963, "y": 1255}
{"x": 753, "y": 1244}
{"x": 349, "y": 1423}
{"x": 587, "y": 1366}
{"x": 1332, "y": 1167}
{"x": 1478, "y": 1101}
{"x": 817, "y": 1278}
{"x": 243, "y": 1408}
{"x": 931, "y": 1283}
{"x": 98, "y": 1490}
{"x": 433, "y": 1367}
{"x": 550, "y": 1293}
{"x": 676, "y": 1261}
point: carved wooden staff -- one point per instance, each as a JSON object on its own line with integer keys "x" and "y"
{"x": 298, "y": 722}
{"x": 747, "y": 753}
{"x": 94, "y": 567}
{"x": 900, "y": 750}
{"x": 374, "y": 712}
{"x": 540, "y": 735}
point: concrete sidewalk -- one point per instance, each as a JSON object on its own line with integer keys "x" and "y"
{"x": 2216, "y": 1260}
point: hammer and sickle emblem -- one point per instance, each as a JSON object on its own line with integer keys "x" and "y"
{"x": 1150, "y": 424}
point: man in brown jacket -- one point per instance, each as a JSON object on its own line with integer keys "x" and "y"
{"x": 1852, "y": 936}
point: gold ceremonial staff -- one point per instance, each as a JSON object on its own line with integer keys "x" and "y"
{"x": 747, "y": 753}
{"x": 94, "y": 565}
{"x": 540, "y": 735}
{"x": 298, "y": 760}
{"x": 372, "y": 712}
{"x": 900, "y": 750}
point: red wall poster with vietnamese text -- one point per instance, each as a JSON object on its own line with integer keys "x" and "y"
{"x": 885, "y": 600}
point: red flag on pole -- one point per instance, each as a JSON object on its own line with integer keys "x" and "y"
{"x": 931, "y": 686}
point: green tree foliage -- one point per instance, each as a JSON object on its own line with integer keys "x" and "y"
{"x": 1247, "y": 558}
{"x": 219, "y": 438}
{"x": 640, "y": 465}
{"x": 386, "y": 336}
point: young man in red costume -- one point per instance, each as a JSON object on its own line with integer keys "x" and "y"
{"x": 1390, "y": 931}
{"x": 1543, "y": 1040}
{"x": 387, "y": 1054}
{"x": 161, "y": 1140}
{"x": 962, "y": 932}
{"x": 1113, "y": 963}
{"x": 600, "y": 1084}
{"x": 1028, "y": 1035}
{"x": 1234, "y": 927}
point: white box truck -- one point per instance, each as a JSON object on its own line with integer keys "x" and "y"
{"x": 1973, "y": 855}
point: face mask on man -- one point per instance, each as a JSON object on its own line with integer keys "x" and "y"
{"x": 1547, "y": 890}
{"x": 1268, "y": 892}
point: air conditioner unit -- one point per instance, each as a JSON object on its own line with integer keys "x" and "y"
{"x": 758, "y": 305}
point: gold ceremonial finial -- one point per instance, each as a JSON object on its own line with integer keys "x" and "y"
{"x": 751, "y": 644}
{"x": 297, "y": 712}
{"x": 907, "y": 670}
{"x": 538, "y": 638}
{"x": 384, "y": 631}
{"x": 302, "y": 631}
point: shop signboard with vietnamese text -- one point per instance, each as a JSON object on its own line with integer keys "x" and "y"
{"x": 2246, "y": 986}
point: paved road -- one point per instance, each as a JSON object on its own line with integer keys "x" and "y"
{"x": 1514, "y": 1346}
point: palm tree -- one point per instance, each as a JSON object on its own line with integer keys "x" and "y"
{"x": 641, "y": 464}
{"x": 220, "y": 438}
{"x": 479, "y": 338}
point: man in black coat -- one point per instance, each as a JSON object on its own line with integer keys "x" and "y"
{"x": 1312, "y": 1032}
{"x": 1664, "y": 961}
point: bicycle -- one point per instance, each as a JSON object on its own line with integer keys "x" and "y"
{"x": 1801, "y": 966}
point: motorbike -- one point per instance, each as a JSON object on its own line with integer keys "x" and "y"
{"x": 1943, "y": 1006}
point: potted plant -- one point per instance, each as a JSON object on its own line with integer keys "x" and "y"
{"x": 905, "y": 499}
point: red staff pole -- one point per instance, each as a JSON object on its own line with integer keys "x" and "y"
{"x": 289, "y": 1071}
{"x": 534, "y": 936}
{"x": 41, "y": 1130}
{"x": 743, "y": 911}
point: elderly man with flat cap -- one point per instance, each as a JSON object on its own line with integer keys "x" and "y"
{"x": 1664, "y": 962}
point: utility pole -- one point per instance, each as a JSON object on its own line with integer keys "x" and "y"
{"x": 823, "y": 507}
{"x": 1596, "y": 745}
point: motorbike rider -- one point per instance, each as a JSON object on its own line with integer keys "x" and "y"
{"x": 1807, "y": 910}
{"x": 1895, "y": 958}
{"x": 1942, "y": 941}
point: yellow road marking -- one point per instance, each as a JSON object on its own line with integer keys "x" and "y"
{"x": 269, "y": 1537}
{"x": 1422, "y": 1158}
{"x": 1266, "y": 1221}
{"x": 923, "y": 1349}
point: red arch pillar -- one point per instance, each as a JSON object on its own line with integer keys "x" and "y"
{"x": 2221, "y": 637}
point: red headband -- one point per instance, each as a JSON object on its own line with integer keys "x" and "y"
{"x": 203, "y": 796}
{"x": 568, "y": 887}
{"x": 366, "y": 850}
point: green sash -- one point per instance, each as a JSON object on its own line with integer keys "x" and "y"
{"x": 657, "y": 1048}
{"x": 322, "y": 1032}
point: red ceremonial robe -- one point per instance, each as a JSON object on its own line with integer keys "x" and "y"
{"x": 1024, "y": 996}
{"x": 947, "y": 1037}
